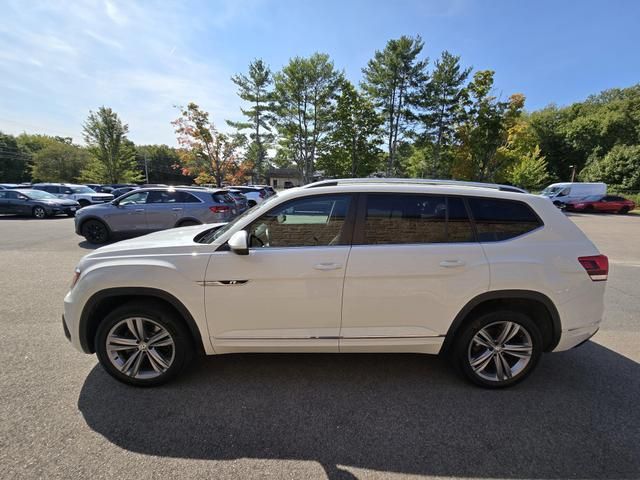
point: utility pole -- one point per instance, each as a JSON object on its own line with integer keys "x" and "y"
{"x": 573, "y": 173}
{"x": 146, "y": 170}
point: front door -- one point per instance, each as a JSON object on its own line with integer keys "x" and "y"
{"x": 286, "y": 295}
{"x": 163, "y": 209}
{"x": 5, "y": 204}
{"x": 413, "y": 266}
{"x": 129, "y": 215}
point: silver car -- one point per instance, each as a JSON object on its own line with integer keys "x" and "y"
{"x": 150, "y": 209}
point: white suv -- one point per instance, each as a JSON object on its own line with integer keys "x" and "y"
{"x": 490, "y": 278}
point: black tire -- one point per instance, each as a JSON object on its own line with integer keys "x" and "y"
{"x": 71, "y": 214}
{"x": 95, "y": 232}
{"x": 464, "y": 350}
{"x": 589, "y": 209}
{"x": 624, "y": 210}
{"x": 251, "y": 203}
{"x": 188, "y": 223}
{"x": 39, "y": 212}
{"x": 181, "y": 351}
{"x": 84, "y": 203}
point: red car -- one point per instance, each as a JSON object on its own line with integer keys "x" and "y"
{"x": 598, "y": 203}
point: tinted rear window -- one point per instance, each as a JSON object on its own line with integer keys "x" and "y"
{"x": 222, "y": 197}
{"x": 397, "y": 219}
{"x": 497, "y": 219}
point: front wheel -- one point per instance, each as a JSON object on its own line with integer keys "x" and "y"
{"x": 39, "y": 212}
{"x": 498, "y": 349}
{"x": 95, "y": 232}
{"x": 142, "y": 344}
{"x": 624, "y": 210}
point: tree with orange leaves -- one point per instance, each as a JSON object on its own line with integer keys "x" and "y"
{"x": 206, "y": 153}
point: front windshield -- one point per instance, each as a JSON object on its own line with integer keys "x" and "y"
{"x": 551, "y": 190}
{"x": 39, "y": 195}
{"x": 212, "y": 236}
{"x": 82, "y": 190}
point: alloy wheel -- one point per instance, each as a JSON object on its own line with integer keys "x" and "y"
{"x": 39, "y": 212}
{"x": 140, "y": 348}
{"x": 499, "y": 351}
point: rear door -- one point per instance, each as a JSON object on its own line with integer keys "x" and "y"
{"x": 413, "y": 266}
{"x": 163, "y": 209}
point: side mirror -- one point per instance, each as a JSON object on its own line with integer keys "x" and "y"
{"x": 239, "y": 243}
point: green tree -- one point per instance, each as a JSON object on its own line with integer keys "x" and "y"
{"x": 442, "y": 101}
{"x": 162, "y": 164}
{"x": 256, "y": 88}
{"x": 393, "y": 79}
{"x": 206, "y": 153}
{"x": 530, "y": 172}
{"x": 14, "y": 160}
{"x": 113, "y": 156}
{"x": 619, "y": 168}
{"x": 59, "y": 162}
{"x": 305, "y": 93}
{"x": 485, "y": 129}
{"x": 352, "y": 145}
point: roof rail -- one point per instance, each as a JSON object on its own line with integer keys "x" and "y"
{"x": 413, "y": 181}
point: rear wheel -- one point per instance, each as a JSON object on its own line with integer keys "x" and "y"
{"x": 95, "y": 231}
{"x": 624, "y": 210}
{"x": 39, "y": 212}
{"x": 142, "y": 344}
{"x": 498, "y": 349}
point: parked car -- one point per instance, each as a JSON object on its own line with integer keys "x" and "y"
{"x": 255, "y": 195}
{"x": 562, "y": 193}
{"x": 7, "y": 186}
{"x": 96, "y": 187}
{"x": 599, "y": 203}
{"x": 81, "y": 193}
{"x": 487, "y": 278}
{"x": 268, "y": 189}
{"x": 150, "y": 209}
{"x": 35, "y": 203}
{"x": 240, "y": 199}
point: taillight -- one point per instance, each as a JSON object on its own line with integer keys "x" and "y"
{"x": 220, "y": 209}
{"x": 597, "y": 267}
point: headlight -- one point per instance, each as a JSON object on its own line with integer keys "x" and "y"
{"x": 76, "y": 276}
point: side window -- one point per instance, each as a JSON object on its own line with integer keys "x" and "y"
{"x": 305, "y": 222}
{"x": 398, "y": 219}
{"x": 3, "y": 194}
{"x": 498, "y": 219}
{"x": 565, "y": 192}
{"x": 185, "y": 197}
{"x": 134, "y": 198}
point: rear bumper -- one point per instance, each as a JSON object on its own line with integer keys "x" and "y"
{"x": 576, "y": 337}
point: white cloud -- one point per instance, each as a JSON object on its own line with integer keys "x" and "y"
{"x": 139, "y": 58}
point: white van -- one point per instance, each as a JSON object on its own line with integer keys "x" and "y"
{"x": 561, "y": 193}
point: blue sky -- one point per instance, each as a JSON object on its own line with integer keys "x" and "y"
{"x": 59, "y": 59}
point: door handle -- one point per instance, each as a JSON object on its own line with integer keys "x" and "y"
{"x": 176, "y": 209}
{"x": 327, "y": 266}
{"x": 139, "y": 210}
{"x": 451, "y": 263}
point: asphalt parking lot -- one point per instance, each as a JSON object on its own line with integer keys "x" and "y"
{"x": 308, "y": 416}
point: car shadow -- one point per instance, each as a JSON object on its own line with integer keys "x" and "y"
{"x": 91, "y": 246}
{"x": 9, "y": 216}
{"x": 576, "y": 416}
